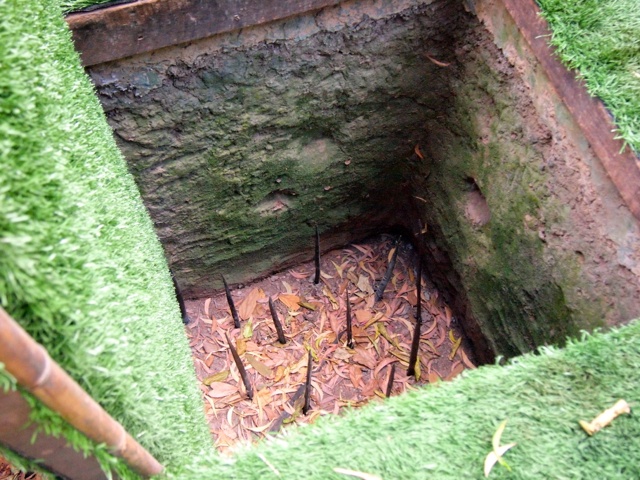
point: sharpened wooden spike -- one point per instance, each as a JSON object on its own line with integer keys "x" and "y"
{"x": 307, "y": 387}
{"x": 391, "y": 378}
{"x": 183, "y": 310}
{"x": 419, "y": 293}
{"x": 415, "y": 344}
{"x": 232, "y": 306}
{"x": 387, "y": 276}
{"x": 241, "y": 369}
{"x": 350, "y": 342}
{"x": 276, "y": 321}
{"x": 316, "y": 280}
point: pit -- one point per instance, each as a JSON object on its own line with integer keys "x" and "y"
{"x": 430, "y": 119}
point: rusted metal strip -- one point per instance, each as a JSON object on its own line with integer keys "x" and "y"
{"x": 53, "y": 454}
{"x": 125, "y": 30}
{"x": 35, "y": 371}
{"x": 622, "y": 165}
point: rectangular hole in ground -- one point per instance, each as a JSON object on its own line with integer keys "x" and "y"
{"x": 342, "y": 377}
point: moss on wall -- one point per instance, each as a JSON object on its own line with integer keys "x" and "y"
{"x": 241, "y": 143}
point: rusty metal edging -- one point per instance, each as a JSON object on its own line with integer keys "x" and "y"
{"x": 621, "y": 164}
{"x": 36, "y": 372}
{"x": 146, "y": 25}
{"x": 54, "y": 454}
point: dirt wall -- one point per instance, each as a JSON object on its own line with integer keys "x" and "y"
{"x": 240, "y": 143}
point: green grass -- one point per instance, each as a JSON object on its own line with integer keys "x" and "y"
{"x": 601, "y": 39}
{"x": 80, "y": 266}
{"x": 444, "y": 431}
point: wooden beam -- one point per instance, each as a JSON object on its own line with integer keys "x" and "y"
{"x": 595, "y": 121}
{"x": 125, "y": 30}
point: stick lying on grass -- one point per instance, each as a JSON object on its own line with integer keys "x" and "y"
{"x": 276, "y": 321}
{"x": 387, "y": 276}
{"x": 243, "y": 372}
{"x": 605, "y": 418}
{"x": 232, "y": 306}
{"x": 415, "y": 344}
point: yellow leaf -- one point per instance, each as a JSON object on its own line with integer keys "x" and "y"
{"x": 327, "y": 293}
{"x": 247, "y": 331}
{"x": 454, "y": 348}
{"x": 494, "y": 457}
{"x": 241, "y": 345}
{"x": 245, "y": 310}
{"x": 307, "y": 305}
{"x": 217, "y": 377}
{"x": 287, "y": 287}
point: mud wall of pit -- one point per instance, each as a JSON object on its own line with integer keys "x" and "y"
{"x": 242, "y": 142}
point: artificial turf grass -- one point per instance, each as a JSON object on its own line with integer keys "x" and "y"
{"x": 444, "y": 431}
{"x": 80, "y": 266}
{"x": 601, "y": 40}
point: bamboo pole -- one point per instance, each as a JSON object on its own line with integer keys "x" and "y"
{"x": 34, "y": 370}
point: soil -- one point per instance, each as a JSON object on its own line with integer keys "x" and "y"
{"x": 314, "y": 320}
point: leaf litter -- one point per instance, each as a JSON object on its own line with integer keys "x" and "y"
{"x": 313, "y": 318}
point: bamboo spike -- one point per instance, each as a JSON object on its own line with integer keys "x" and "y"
{"x": 276, "y": 321}
{"x": 183, "y": 310}
{"x": 307, "y": 387}
{"x": 387, "y": 276}
{"x": 241, "y": 369}
{"x": 391, "y": 378}
{"x": 316, "y": 280}
{"x": 415, "y": 343}
{"x": 419, "y": 293}
{"x": 350, "y": 342}
{"x": 232, "y": 306}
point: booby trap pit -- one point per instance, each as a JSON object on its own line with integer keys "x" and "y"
{"x": 356, "y": 328}
{"x": 429, "y": 117}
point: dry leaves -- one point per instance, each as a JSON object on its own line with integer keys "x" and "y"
{"x": 341, "y": 376}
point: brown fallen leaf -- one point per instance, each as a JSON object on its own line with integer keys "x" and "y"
{"x": 418, "y": 152}
{"x": 364, "y": 358}
{"x": 291, "y": 301}
{"x": 363, "y": 316}
{"x": 245, "y": 310}
{"x": 364, "y": 285}
{"x": 221, "y": 390}
{"x": 258, "y": 366}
